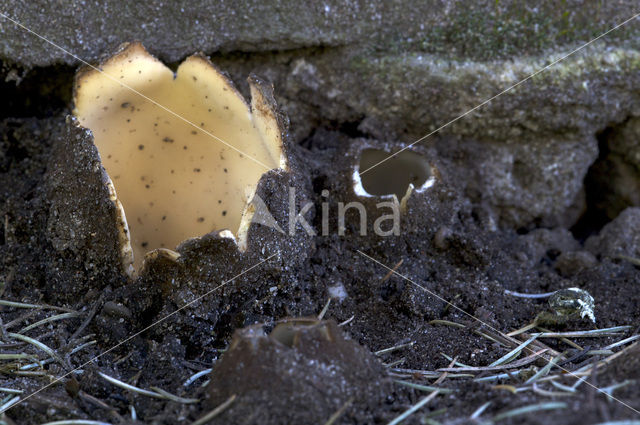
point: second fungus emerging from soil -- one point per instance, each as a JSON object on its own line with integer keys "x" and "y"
{"x": 184, "y": 151}
{"x": 380, "y": 173}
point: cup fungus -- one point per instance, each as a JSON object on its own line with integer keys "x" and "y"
{"x": 392, "y": 176}
{"x": 184, "y": 152}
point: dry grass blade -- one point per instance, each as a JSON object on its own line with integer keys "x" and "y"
{"x": 586, "y": 334}
{"x": 414, "y": 408}
{"x": 10, "y": 391}
{"x": 447, "y": 323}
{"x": 174, "y": 397}
{"x": 77, "y": 422}
{"x": 6, "y": 406}
{"x": 339, "y": 412}
{"x": 632, "y": 260}
{"x": 426, "y": 374}
{"x": 611, "y": 388}
{"x": 622, "y": 342}
{"x": 16, "y": 356}
{"x": 393, "y": 269}
{"x": 509, "y": 375}
{"x": 546, "y": 393}
{"x": 48, "y": 320}
{"x": 426, "y": 388}
{"x": 513, "y": 354}
{"x": 479, "y": 411}
{"x": 324, "y": 309}
{"x": 17, "y": 304}
{"x": 523, "y": 295}
{"x": 394, "y": 348}
{"x": 215, "y": 412}
{"x": 196, "y": 376}
{"x": 37, "y": 344}
{"x": 529, "y": 359}
{"x": 529, "y": 409}
{"x": 129, "y": 387}
{"x": 543, "y": 372}
{"x": 501, "y": 338}
{"x": 455, "y": 362}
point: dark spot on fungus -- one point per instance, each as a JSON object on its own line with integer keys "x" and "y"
{"x": 194, "y": 78}
{"x": 105, "y": 108}
{"x": 125, "y": 105}
{"x": 172, "y": 171}
{"x": 140, "y": 147}
{"x": 196, "y": 170}
{"x": 200, "y": 219}
{"x": 225, "y": 170}
{"x": 147, "y": 186}
{"x": 224, "y": 213}
{"x": 219, "y": 201}
{"x": 164, "y": 217}
{"x": 184, "y": 147}
{"x": 128, "y": 119}
{"x": 167, "y": 140}
{"x": 144, "y": 244}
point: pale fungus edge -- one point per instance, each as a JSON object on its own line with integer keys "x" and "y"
{"x": 261, "y": 114}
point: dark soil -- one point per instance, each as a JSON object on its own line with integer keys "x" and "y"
{"x": 448, "y": 246}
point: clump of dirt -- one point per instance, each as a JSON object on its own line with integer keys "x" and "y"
{"x": 309, "y": 366}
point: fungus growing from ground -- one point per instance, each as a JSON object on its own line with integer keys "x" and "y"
{"x": 381, "y": 174}
{"x": 184, "y": 151}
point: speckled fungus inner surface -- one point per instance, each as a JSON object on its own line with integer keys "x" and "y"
{"x": 164, "y": 141}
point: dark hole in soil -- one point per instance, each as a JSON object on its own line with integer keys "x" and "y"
{"x": 394, "y": 175}
{"x": 42, "y": 92}
{"x": 611, "y": 184}
{"x": 350, "y": 128}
